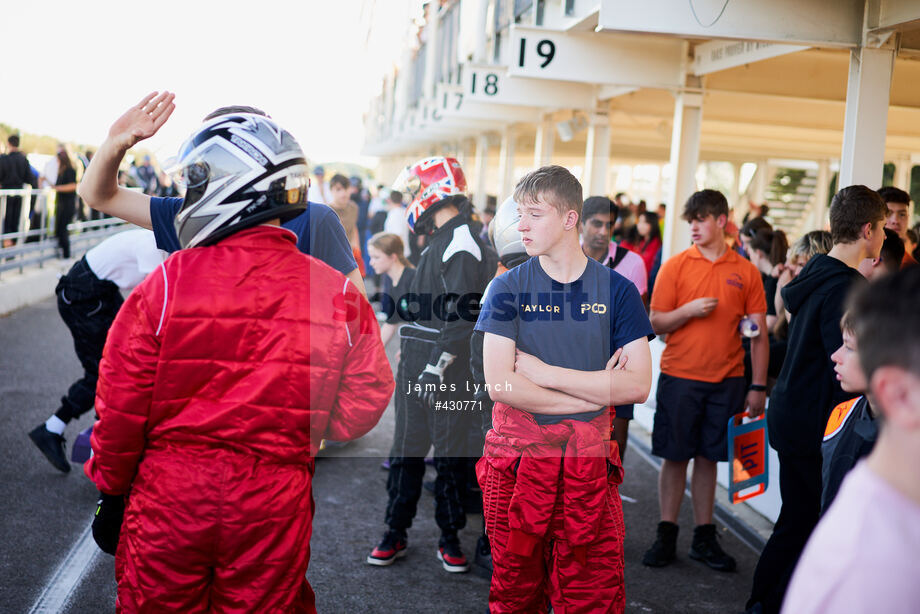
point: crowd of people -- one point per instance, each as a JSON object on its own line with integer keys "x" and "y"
{"x": 524, "y": 337}
{"x": 60, "y": 174}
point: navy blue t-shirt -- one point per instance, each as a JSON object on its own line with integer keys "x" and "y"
{"x": 578, "y": 325}
{"x": 318, "y": 229}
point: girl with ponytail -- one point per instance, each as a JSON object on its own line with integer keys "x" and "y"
{"x": 386, "y": 258}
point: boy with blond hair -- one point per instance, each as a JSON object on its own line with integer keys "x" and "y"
{"x": 549, "y": 472}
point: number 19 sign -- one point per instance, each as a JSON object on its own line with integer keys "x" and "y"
{"x": 541, "y": 53}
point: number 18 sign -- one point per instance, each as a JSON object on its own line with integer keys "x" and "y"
{"x": 748, "y": 457}
{"x": 491, "y": 84}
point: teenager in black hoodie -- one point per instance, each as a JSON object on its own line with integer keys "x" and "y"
{"x": 807, "y": 390}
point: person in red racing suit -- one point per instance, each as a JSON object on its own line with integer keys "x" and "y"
{"x": 221, "y": 374}
{"x": 553, "y": 514}
{"x": 565, "y": 337}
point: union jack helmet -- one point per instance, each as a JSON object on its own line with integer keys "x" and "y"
{"x": 238, "y": 170}
{"x": 428, "y": 182}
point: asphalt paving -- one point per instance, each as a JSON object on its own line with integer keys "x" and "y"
{"x": 45, "y": 512}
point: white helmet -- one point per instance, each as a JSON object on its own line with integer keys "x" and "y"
{"x": 503, "y": 230}
{"x": 239, "y": 170}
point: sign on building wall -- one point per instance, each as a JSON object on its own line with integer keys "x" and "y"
{"x": 720, "y": 55}
{"x": 491, "y": 84}
{"x": 639, "y": 61}
{"x": 452, "y": 101}
{"x": 827, "y": 23}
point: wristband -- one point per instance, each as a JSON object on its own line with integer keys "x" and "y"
{"x": 757, "y": 388}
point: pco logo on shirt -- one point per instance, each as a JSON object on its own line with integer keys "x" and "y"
{"x": 597, "y": 308}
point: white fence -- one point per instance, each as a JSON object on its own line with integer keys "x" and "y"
{"x": 31, "y": 239}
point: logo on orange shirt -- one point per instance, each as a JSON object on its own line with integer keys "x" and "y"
{"x": 735, "y": 280}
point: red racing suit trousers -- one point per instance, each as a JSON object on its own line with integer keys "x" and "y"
{"x": 553, "y": 515}
{"x": 211, "y": 531}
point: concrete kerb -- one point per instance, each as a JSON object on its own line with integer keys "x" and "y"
{"x": 33, "y": 285}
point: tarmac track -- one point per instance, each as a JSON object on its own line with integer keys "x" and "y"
{"x": 46, "y": 512}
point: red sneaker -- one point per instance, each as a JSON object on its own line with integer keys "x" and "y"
{"x": 391, "y": 547}
{"x": 450, "y": 555}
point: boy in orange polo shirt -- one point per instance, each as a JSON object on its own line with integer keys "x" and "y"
{"x": 700, "y": 297}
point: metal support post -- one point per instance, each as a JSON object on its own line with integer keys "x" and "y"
{"x": 822, "y": 196}
{"x": 735, "y": 194}
{"x": 902, "y": 167}
{"x": 761, "y": 178}
{"x": 866, "y": 119}
{"x": 597, "y": 155}
{"x": 431, "y": 51}
{"x": 482, "y": 163}
{"x": 545, "y": 142}
{"x": 506, "y": 164}
{"x": 685, "y": 158}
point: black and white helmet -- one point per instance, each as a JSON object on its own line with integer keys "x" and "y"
{"x": 238, "y": 170}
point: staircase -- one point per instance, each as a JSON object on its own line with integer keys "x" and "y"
{"x": 790, "y": 195}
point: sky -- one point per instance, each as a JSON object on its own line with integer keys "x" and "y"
{"x": 69, "y": 69}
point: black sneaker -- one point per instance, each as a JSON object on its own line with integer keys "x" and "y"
{"x": 52, "y": 446}
{"x": 450, "y": 555}
{"x": 392, "y": 546}
{"x": 664, "y": 550}
{"x": 482, "y": 563}
{"x": 706, "y": 548}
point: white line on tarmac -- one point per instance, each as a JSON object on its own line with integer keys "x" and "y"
{"x": 68, "y": 576}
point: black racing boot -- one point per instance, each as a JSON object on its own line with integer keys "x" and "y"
{"x": 664, "y": 550}
{"x": 706, "y": 548}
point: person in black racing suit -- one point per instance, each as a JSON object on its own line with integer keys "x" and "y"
{"x": 435, "y": 402}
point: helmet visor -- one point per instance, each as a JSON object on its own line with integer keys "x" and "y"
{"x": 408, "y": 183}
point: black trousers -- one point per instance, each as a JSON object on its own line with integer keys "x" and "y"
{"x": 800, "y": 487}
{"x": 88, "y": 306}
{"x": 64, "y": 216}
{"x": 13, "y": 211}
{"x": 417, "y": 429}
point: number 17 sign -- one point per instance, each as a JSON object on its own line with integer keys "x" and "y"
{"x": 601, "y": 59}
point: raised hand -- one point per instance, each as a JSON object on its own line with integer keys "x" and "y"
{"x": 142, "y": 120}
